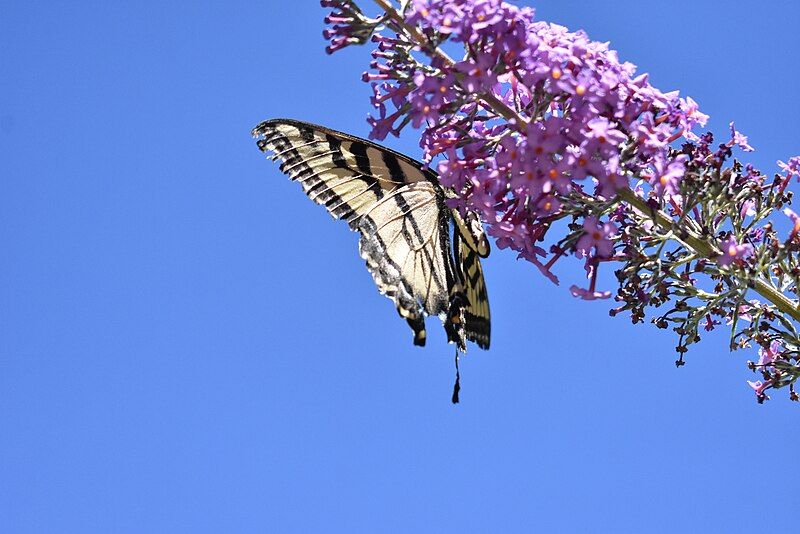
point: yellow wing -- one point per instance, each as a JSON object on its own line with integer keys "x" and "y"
{"x": 393, "y": 201}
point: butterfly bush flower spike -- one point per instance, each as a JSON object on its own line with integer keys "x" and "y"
{"x": 566, "y": 150}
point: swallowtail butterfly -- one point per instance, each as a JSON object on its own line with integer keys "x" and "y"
{"x": 422, "y": 254}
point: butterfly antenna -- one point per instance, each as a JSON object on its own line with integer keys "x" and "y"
{"x": 457, "y": 385}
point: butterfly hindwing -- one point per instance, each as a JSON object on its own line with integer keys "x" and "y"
{"x": 406, "y": 244}
{"x": 470, "y": 245}
{"x": 398, "y": 207}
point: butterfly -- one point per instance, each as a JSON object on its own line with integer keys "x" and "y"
{"x": 422, "y": 254}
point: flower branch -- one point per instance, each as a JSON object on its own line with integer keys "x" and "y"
{"x": 538, "y": 128}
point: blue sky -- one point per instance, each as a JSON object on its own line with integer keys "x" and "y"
{"x": 187, "y": 344}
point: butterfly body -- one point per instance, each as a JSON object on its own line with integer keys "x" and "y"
{"x": 398, "y": 207}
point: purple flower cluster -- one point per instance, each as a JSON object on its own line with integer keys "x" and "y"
{"x": 766, "y": 358}
{"x": 733, "y": 251}
{"x": 584, "y": 122}
{"x": 791, "y": 168}
{"x": 536, "y": 127}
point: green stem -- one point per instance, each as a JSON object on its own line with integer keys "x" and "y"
{"x": 703, "y": 248}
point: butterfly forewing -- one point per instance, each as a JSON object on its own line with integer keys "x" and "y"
{"x": 345, "y": 174}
